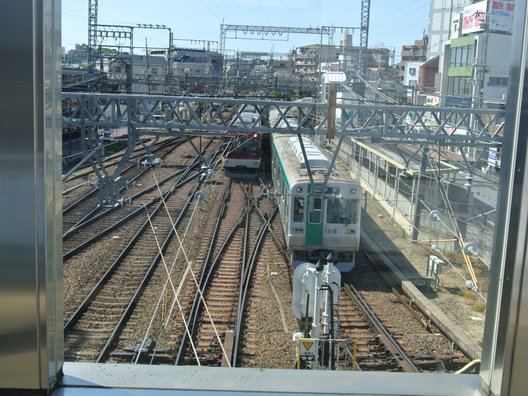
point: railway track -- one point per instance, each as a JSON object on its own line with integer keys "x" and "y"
{"x": 214, "y": 316}
{"x": 268, "y": 319}
{"x": 389, "y": 335}
{"x": 83, "y": 181}
{"x": 86, "y": 206}
{"x": 424, "y": 343}
{"x": 377, "y": 349}
{"x": 145, "y": 193}
{"x": 123, "y": 242}
{"x": 219, "y": 317}
{"x": 201, "y": 297}
{"x": 92, "y": 330}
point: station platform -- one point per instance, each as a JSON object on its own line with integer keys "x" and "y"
{"x": 407, "y": 262}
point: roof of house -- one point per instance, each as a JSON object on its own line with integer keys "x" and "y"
{"x": 142, "y": 59}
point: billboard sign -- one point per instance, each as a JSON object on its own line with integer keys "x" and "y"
{"x": 457, "y": 101}
{"x": 474, "y": 17}
{"x": 492, "y": 156}
{"x": 501, "y": 15}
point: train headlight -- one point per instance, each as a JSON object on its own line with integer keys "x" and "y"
{"x": 299, "y": 189}
{"x": 352, "y": 191}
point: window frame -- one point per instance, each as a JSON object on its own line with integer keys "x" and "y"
{"x": 505, "y": 351}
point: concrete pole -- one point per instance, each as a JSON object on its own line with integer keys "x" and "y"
{"x": 332, "y": 99}
{"x": 420, "y": 193}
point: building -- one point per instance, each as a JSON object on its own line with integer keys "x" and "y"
{"x": 476, "y": 62}
{"x": 412, "y": 57}
{"x": 444, "y": 16}
{"x": 197, "y": 63}
{"x": 138, "y": 74}
{"x": 440, "y": 22}
{"x": 427, "y": 75}
{"x": 428, "y": 82}
{"x": 308, "y": 60}
{"x": 259, "y": 65}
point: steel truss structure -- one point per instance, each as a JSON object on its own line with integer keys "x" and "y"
{"x": 278, "y": 33}
{"x": 92, "y": 32}
{"x": 363, "y": 37}
{"x": 160, "y": 116}
{"x": 365, "y": 18}
{"x": 212, "y": 116}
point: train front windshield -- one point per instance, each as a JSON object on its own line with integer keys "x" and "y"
{"x": 341, "y": 211}
{"x": 251, "y": 144}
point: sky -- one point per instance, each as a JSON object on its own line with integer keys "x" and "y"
{"x": 393, "y": 23}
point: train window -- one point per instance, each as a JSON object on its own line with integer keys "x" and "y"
{"x": 341, "y": 211}
{"x": 298, "y": 209}
{"x": 315, "y": 210}
{"x": 252, "y": 144}
{"x": 317, "y": 203}
{"x": 332, "y": 190}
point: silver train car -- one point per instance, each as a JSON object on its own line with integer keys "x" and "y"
{"x": 315, "y": 222}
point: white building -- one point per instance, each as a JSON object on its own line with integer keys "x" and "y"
{"x": 440, "y": 22}
{"x": 476, "y": 63}
{"x": 410, "y": 73}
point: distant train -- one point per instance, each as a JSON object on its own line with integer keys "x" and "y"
{"x": 315, "y": 222}
{"x": 244, "y": 152}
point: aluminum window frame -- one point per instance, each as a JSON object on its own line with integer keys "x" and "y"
{"x": 505, "y": 352}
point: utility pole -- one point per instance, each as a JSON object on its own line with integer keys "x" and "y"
{"x": 92, "y": 37}
{"x": 363, "y": 41}
{"x": 148, "y": 65}
{"x": 420, "y": 190}
{"x": 481, "y": 65}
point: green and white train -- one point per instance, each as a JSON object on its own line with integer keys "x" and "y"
{"x": 315, "y": 222}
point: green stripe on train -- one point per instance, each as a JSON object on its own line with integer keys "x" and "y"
{"x": 314, "y": 231}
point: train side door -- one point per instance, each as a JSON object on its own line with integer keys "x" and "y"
{"x": 314, "y": 223}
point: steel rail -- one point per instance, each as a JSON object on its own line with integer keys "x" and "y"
{"x": 135, "y": 298}
{"x": 246, "y": 282}
{"x": 110, "y": 271}
{"x": 119, "y": 223}
{"x": 182, "y": 173}
{"x": 391, "y": 344}
{"x": 209, "y": 253}
{"x": 86, "y": 196}
{"x": 208, "y": 271}
{"x": 104, "y": 279}
{"x": 278, "y": 241}
{"x": 91, "y": 219}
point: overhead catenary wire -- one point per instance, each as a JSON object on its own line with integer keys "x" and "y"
{"x": 193, "y": 276}
{"x": 444, "y": 257}
{"x": 174, "y": 302}
{"x": 453, "y": 230}
{"x": 175, "y": 293}
{"x": 458, "y": 232}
